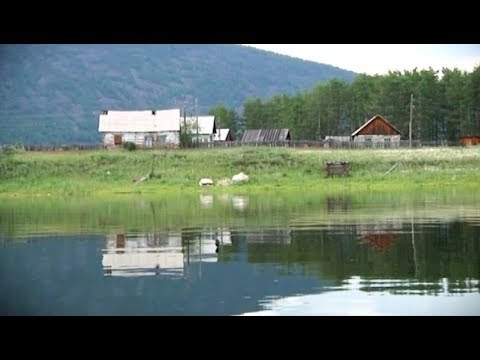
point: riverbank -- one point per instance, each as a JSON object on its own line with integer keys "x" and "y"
{"x": 109, "y": 172}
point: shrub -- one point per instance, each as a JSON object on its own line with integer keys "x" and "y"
{"x": 130, "y": 146}
{"x": 9, "y": 150}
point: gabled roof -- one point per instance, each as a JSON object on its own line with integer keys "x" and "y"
{"x": 369, "y": 121}
{"x": 139, "y": 121}
{"x": 206, "y": 124}
{"x": 221, "y": 134}
{"x": 259, "y": 135}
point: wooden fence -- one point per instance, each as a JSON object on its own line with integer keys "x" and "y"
{"x": 229, "y": 144}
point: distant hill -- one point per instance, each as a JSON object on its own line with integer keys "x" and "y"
{"x": 52, "y": 94}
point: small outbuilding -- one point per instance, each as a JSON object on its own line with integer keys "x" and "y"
{"x": 470, "y": 140}
{"x": 202, "y": 129}
{"x": 223, "y": 135}
{"x": 377, "y": 132}
{"x": 253, "y": 136}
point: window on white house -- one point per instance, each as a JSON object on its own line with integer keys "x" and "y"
{"x": 162, "y": 139}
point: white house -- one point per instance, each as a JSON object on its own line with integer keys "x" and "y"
{"x": 147, "y": 128}
{"x": 205, "y": 128}
{"x": 223, "y": 135}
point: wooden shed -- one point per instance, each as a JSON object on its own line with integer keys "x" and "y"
{"x": 470, "y": 140}
{"x": 266, "y": 135}
{"x": 377, "y": 132}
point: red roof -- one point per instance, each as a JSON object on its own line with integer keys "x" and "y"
{"x": 369, "y": 121}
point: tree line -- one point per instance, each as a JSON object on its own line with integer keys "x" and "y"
{"x": 446, "y": 105}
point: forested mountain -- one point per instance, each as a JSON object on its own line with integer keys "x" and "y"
{"x": 52, "y": 94}
{"x": 446, "y": 105}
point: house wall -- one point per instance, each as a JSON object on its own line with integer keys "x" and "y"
{"x": 377, "y": 140}
{"x": 203, "y": 138}
{"x": 160, "y": 139}
{"x": 336, "y": 141}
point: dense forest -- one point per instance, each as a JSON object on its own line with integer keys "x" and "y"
{"x": 53, "y": 94}
{"x": 446, "y": 105}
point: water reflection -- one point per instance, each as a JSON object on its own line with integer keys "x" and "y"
{"x": 166, "y": 254}
{"x": 240, "y": 202}
{"x": 206, "y": 200}
{"x": 338, "y": 204}
{"x": 380, "y": 235}
{"x": 227, "y": 254}
{"x": 350, "y": 300}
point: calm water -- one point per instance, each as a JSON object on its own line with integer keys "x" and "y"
{"x": 242, "y": 255}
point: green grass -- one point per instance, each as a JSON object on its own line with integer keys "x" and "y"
{"x": 105, "y": 172}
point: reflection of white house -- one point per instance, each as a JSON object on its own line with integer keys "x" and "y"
{"x": 274, "y": 236}
{"x": 239, "y": 202}
{"x": 143, "y": 255}
{"x": 205, "y": 248}
{"x": 159, "y": 254}
{"x": 394, "y": 225}
{"x": 206, "y": 200}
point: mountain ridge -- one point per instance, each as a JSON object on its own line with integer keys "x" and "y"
{"x": 53, "y": 94}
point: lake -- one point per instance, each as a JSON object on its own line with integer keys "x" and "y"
{"x": 223, "y": 254}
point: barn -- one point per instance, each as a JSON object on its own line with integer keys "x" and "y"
{"x": 146, "y": 128}
{"x": 377, "y": 132}
{"x": 470, "y": 140}
{"x": 256, "y": 136}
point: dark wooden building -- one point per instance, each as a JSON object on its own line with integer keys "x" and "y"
{"x": 470, "y": 140}
{"x": 266, "y": 135}
{"x": 377, "y": 132}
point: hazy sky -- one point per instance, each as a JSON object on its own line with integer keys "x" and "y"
{"x": 379, "y": 58}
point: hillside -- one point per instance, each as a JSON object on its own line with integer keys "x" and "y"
{"x": 52, "y": 94}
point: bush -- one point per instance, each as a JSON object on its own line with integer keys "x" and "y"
{"x": 9, "y": 150}
{"x": 130, "y": 146}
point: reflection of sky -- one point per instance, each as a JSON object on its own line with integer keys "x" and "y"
{"x": 358, "y": 303}
{"x": 354, "y": 302}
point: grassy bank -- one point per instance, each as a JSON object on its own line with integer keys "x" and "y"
{"x": 105, "y": 172}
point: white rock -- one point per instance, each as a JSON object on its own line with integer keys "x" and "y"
{"x": 224, "y": 182}
{"x": 239, "y": 178}
{"x": 205, "y": 182}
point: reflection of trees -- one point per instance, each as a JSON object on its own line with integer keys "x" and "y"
{"x": 338, "y": 204}
{"x": 419, "y": 256}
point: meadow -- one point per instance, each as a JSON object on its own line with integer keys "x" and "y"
{"x": 108, "y": 172}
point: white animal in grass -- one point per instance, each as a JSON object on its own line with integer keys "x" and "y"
{"x": 238, "y": 178}
{"x": 205, "y": 182}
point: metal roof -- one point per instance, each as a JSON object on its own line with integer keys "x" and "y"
{"x": 139, "y": 121}
{"x": 259, "y": 135}
{"x": 221, "y": 134}
{"x": 369, "y": 121}
{"x": 206, "y": 124}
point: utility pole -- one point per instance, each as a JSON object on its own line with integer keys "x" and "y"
{"x": 196, "y": 115}
{"x": 185, "y": 120}
{"x": 410, "y": 124}
{"x": 217, "y": 128}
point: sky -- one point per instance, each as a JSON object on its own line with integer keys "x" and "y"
{"x": 380, "y": 58}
